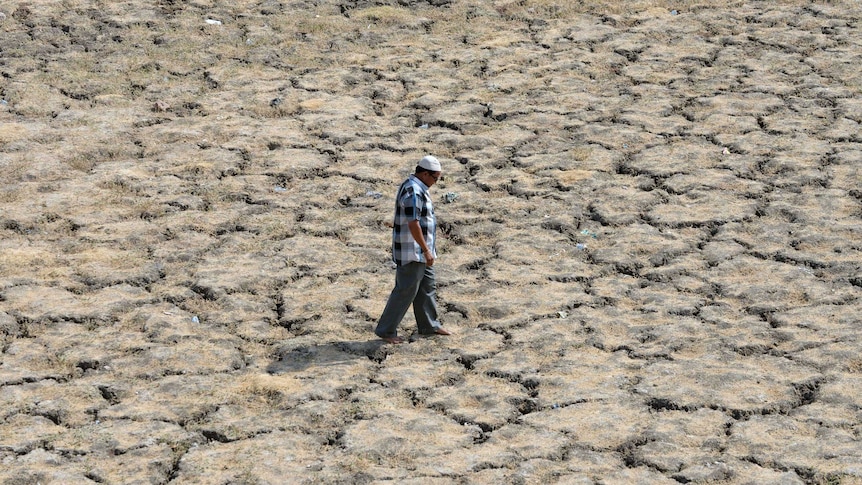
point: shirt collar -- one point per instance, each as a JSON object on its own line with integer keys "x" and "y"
{"x": 421, "y": 183}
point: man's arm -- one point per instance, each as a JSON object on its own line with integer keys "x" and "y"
{"x": 416, "y": 232}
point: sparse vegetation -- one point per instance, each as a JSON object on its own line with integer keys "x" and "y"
{"x": 649, "y": 241}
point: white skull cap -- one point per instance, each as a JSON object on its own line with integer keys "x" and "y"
{"x": 431, "y": 163}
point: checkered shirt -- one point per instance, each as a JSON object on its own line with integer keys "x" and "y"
{"x": 413, "y": 203}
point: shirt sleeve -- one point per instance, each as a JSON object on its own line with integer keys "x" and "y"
{"x": 410, "y": 203}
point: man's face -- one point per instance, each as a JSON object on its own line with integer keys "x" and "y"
{"x": 430, "y": 178}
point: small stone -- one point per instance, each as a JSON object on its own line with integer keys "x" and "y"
{"x": 161, "y": 106}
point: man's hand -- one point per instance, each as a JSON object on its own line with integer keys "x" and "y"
{"x": 429, "y": 258}
{"x": 416, "y": 232}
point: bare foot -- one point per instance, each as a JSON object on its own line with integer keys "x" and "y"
{"x": 393, "y": 340}
{"x": 442, "y": 331}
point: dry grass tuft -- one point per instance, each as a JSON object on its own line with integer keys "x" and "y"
{"x": 13, "y": 170}
{"x": 274, "y": 112}
{"x": 148, "y": 209}
{"x": 10, "y": 132}
{"x": 27, "y": 261}
{"x": 385, "y": 15}
{"x": 525, "y": 10}
{"x": 265, "y": 389}
{"x": 312, "y": 104}
{"x": 277, "y": 228}
{"x": 201, "y": 306}
{"x": 9, "y": 195}
{"x": 120, "y": 185}
{"x": 83, "y": 162}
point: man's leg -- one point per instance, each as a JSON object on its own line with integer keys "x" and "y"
{"x": 407, "y": 280}
{"x": 425, "y": 304}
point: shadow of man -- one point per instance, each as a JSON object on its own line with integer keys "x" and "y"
{"x": 328, "y": 354}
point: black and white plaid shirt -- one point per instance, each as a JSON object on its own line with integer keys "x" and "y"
{"x": 413, "y": 203}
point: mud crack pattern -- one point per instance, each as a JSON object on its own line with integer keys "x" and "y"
{"x": 651, "y": 235}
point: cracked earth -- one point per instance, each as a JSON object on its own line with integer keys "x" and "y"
{"x": 651, "y": 235}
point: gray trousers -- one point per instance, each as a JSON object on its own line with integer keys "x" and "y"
{"x": 414, "y": 284}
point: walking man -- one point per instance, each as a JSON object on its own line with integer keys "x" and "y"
{"x": 414, "y": 251}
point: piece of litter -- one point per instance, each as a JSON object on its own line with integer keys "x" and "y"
{"x": 562, "y": 314}
{"x": 725, "y": 151}
{"x": 450, "y": 197}
{"x": 581, "y": 247}
{"x": 424, "y": 127}
{"x": 373, "y": 194}
{"x": 587, "y": 232}
{"x": 213, "y": 22}
{"x": 195, "y": 319}
{"x": 279, "y": 189}
{"x": 168, "y": 313}
{"x": 674, "y": 12}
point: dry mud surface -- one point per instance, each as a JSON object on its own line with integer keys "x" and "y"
{"x": 194, "y": 242}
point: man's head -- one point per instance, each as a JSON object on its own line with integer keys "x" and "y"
{"x": 429, "y": 170}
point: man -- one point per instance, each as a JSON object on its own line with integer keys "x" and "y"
{"x": 414, "y": 252}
